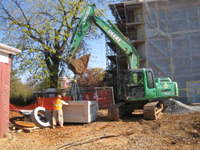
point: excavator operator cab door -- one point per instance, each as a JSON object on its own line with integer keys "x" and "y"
{"x": 134, "y": 84}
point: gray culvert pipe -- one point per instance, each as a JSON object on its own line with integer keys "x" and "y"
{"x": 36, "y": 119}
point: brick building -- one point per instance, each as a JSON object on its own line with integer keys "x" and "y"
{"x": 64, "y": 81}
{"x": 5, "y": 69}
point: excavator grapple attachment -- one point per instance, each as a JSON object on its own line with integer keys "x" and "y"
{"x": 79, "y": 66}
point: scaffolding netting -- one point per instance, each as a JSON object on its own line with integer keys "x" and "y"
{"x": 172, "y": 32}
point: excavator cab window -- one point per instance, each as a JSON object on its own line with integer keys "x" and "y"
{"x": 133, "y": 79}
{"x": 150, "y": 80}
{"x": 140, "y": 79}
{"x": 134, "y": 84}
{"x": 136, "y": 79}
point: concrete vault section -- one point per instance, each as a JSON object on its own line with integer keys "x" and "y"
{"x": 80, "y": 112}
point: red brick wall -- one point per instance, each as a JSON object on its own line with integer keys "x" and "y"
{"x": 5, "y": 70}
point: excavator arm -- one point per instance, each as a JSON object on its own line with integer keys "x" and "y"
{"x": 79, "y": 66}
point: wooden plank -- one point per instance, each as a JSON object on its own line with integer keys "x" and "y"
{"x": 14, "y": 127}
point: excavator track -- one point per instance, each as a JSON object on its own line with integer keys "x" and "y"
{"x": 153, "y": 110}
{"x": 116, "y": 111}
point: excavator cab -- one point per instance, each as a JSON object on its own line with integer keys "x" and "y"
{"x": 134, "y": 86}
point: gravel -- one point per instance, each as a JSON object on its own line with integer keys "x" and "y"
{"x": 175, "y": 107}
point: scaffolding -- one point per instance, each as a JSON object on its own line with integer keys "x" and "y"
{"x": 128, "y": 18}
{"x": 166, "y": 35}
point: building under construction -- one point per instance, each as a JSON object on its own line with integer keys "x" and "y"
{"x": 166, "y": 35}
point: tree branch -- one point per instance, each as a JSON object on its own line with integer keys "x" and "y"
{"x": 18, "y": 5}
{"x": 9, "y": 15}
{"x": 64, "y": 44}
{"x": 53, "y": 18}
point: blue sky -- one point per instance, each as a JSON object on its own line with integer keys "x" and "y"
{"x": 99, "y": 47}
{"x": 98, "y": 54}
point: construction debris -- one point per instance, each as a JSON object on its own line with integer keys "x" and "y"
{"x": 173, "y": 106}
{"x": 24, "y": 126}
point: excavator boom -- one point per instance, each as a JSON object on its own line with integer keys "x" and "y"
{"x": 79, "y": 66}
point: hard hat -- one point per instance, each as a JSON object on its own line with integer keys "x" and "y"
{"x": 59, "y": 96}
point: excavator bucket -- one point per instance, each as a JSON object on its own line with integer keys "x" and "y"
{"x": 79, "y": 66}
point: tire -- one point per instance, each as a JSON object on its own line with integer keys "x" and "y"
{"x": 36, "y": 119}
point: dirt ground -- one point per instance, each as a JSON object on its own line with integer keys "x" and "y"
{"x": 132, "y": 132}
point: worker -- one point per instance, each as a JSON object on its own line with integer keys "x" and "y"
{"x": 140, "y": 83}
{"x": 75, "y": 79}
{"x": 58, "y": 112}
{"x": 141, "y": 80}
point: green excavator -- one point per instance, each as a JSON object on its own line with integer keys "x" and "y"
{"x": 138, "y": 89}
